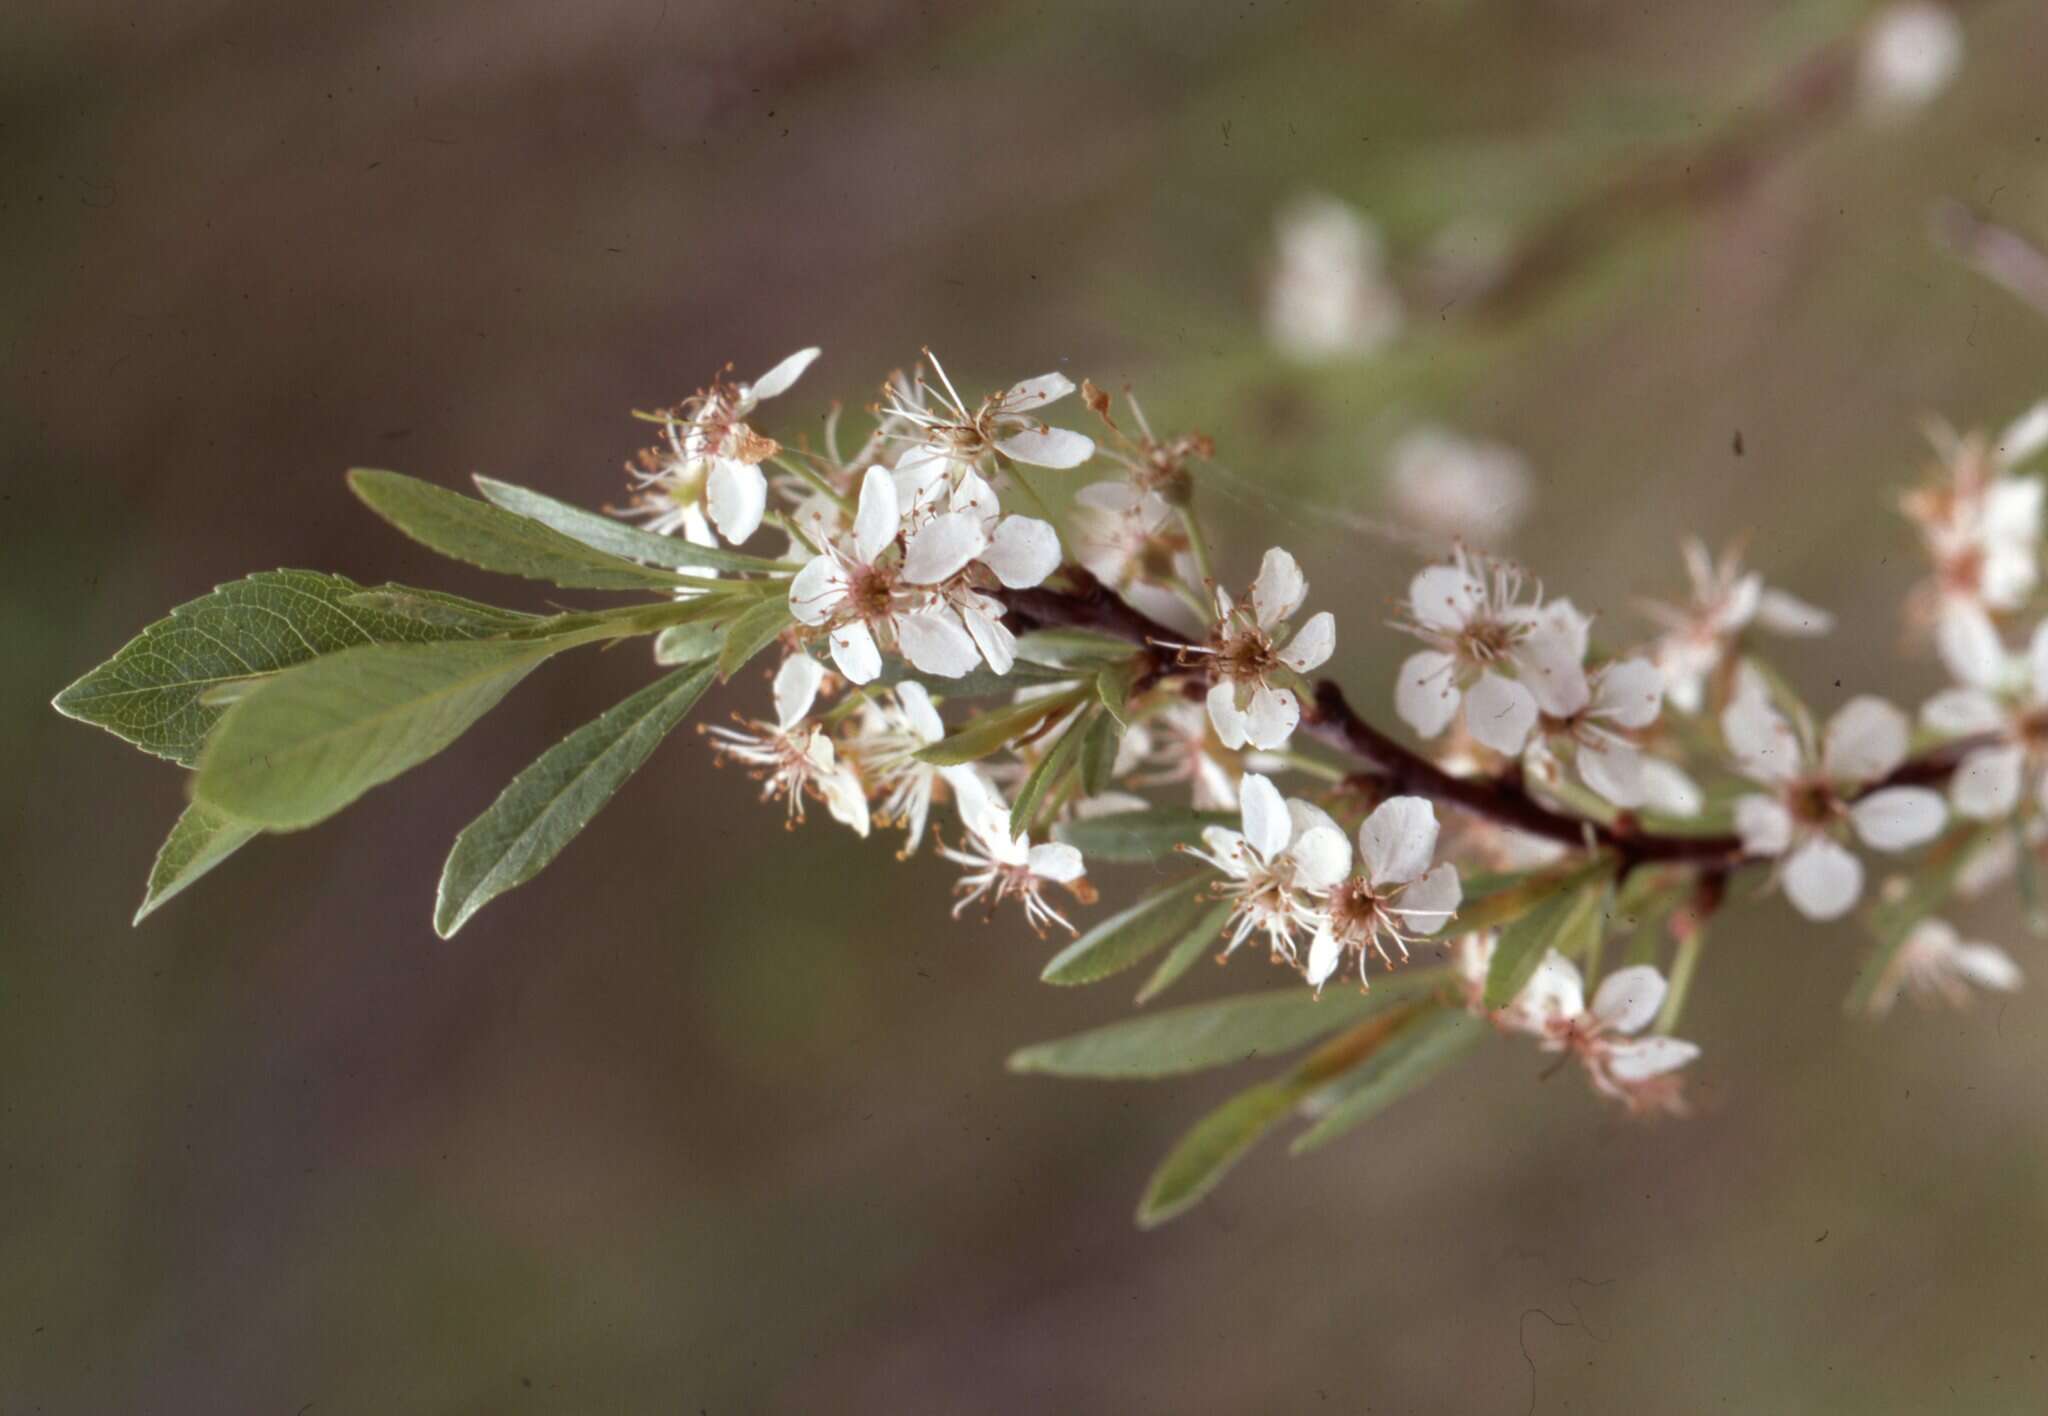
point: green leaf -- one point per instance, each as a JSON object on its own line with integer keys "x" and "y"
{"x": 688, "y": 643}
{"x": 752, "y": 631}
{"x": 1202, "y": 1035}
{"x": 618, "y": 538}
{"x": 550, "y": 802}
{"x": 312, "y": 740}
{"x": 976, "y": 683}
{"x": 1072, "y": 648}
{"x": 1200, "y": 1160}
{"x": 1048, "y": 772}
{"x": 1408, "y": 1060}
{"x": 483, "y": 535}
{"x": 1113, "y": 687}
{"x": 1139, "y": 837}
{"x": 1098, "y": 753}
{"x": 1183, "y": 955}
{"x": 154, "y": 692}
{"x": 996, "y": 729}
{"x": 1128, "y": 937}
{"x": 201, "y": 839}
{"x": 1560, "y": 921}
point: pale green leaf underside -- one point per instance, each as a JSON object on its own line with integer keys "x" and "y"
{"x": 1193, "y": 945}
{"x": 201, "y": 839}
{"x": 1199, "y": 1035}
{"x": 615, "y": 537}
{"x": 1131, "y": 935}
{"x": 1552, "y": 924}
{"x": 309, "y": 742}
{"x": 489, "y": 537}
{"x": 153, "y": 692}
{"x": 1201, "y": 1158}
{"x": 1138, "y": 837}
{"x": 1412, "y": 1058}
{"x": 551, "y": 801}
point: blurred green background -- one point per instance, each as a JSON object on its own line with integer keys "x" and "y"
{"x": 712, "y": 1119}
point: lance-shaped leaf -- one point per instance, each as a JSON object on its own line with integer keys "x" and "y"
{"x": 997, "y": 728}
{"x": 550, "y": 802}
{"x": 1193, "y": 945}
{"x": 1562, "y": 920}
{"x": 688, "y": 643}
{"x": 1049, "y": 771}
{"x": 1410, "y": 1059}
{"x": 157, "y": 691}
{"x": 201, "y": 839}
{"x": 465, "y": 529}
{"x": 752, "y": 631}
{"x": 1098, "y": 753}
{"x": 1139, "y": 837}
{"x": 1200, "y": 1159}
{"x": 1201, "y": 1035}
{"x": 615, "y": 537}
{"x": 313, "y": 739}
{"x": 1132, "y": 935}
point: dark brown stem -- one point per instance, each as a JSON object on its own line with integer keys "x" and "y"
{"x": 1331, "y": 720}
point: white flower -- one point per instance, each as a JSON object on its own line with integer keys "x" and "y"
{"x": 713, "y": 457}
{"x": 861, "y": 595}
{"x": 1633, "y": 1070}
{"x": 1625, "y": 698}
{"x": 1808, "y": 803}
{"x": 1504, "y": 660}
{"x": 1179, "y": 744}
{"x": 1700, "y": 634}
{"x": 1457, "y": 488}
{"x": 1118, "y": 532}
{"x": 1981, "y": 528}
{"x": 1910, "y": 54}
{"x": 1329, "y": 295}
{"x": 966, "y": 529}
{"x": 893, "y": 728}
{"x": 1248, "y": 701}
{"x": 945, "y": 438}
{"x": 1989, "y": 781}
{"x": 1279, "y": 869}
{"x": 1934, "y": 963}
{"x": 1002, "y": 866}
{"x": 1399, "y": 897}
{"x": 792, "y": 756}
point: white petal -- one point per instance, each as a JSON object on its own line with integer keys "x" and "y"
{"x": 736, "y": 494}
{"x": 1668, "y": 790}
{"x": 1822, "y": 880}
{"x": 1312, "y": 647}
{"x": 1323, "y": 957}
{"x": 991, "y": 637}
{"x": 1222, "y": 844}
{"x": 1023, "y": 551}
{"x": 935, "y": 643}
{"x": 1398, "y": 841}
{"x": 1500, "y": 713}
{"x": 975, "y": 495}
{"x": 1764, "y": 745}
{"x": 1899, "y": 818}
{"x": 1266, "y": 823}
{"x": 778, "y": 379}
{"x": 1027, "y": 394}
{"x": 1959, "y": 712}
{"x": 924, "y": 719}
{"x": 941, "y": 548}
{"x": 1549, "y": 659}
{"x": 880, "y": 516}
{"x": 1865, "y": 739}
{"x": 854, "y": 653}
{"x": 1444, "y": 596}
{"x": 1969, "y": 645}
{"x": 1305, "y": 816}
{"x": 1271, "y": 718}
{"x": 1428, "y": 905}
{"x": 796, "y": 688}
{"x": 845, "y": 799}
{"x": 1554, "y": 990}
{"x": 1639, "y": 1059}
{"x": 1279, "y": 589}
{"x": 816, "y": 590}
{"x": 1056, "y": 861}
{"x": 1629, "y": 693}
{"x": 1322, "y": 857}
{"x": 1614, "y": 769}
{"x": 1987, "y": 966}
{"x": 1226, "y": 717}
{"x": 1426, "y": 694}
{"x": 1629, "y": 998}
{"x": 1986, "y": 786}
{"x": 1764, "y": 825}
{"x": 2037, "y": 662}
{"x": 1789, "y": 615}
{"x": 1057, "y": 448}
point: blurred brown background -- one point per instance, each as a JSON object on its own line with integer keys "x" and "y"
{"x": 712, "y": 1119}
